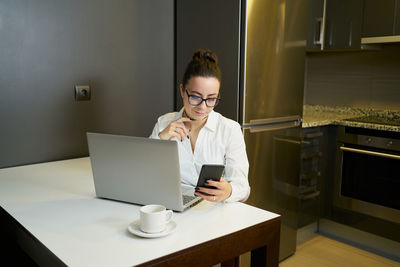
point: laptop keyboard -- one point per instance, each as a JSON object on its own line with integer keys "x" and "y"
{"x": 187, "y": 198}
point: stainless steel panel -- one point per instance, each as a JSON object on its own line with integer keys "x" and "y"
{"x": 275, "y": 58}
{"x": 274, "y": 158}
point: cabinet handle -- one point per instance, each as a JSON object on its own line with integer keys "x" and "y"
{"x": 273, "y": 127}
{"x": 323, "y": 26}
{"x": 288, "y": 140}
{"x": 272, "y": 124}
{"x": 318, "y": 31}
{"x": 371, "y": 153}
{"x": 351, "y": 34}
{"x": 309, "y": 196}
{"x": 260, "y": 122}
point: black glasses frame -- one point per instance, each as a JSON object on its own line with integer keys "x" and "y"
{"x": 217, "y": 99}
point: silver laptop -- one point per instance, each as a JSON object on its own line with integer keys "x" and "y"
{"x": 138, "y": 170}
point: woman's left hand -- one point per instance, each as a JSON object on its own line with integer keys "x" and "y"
{"x": 223, "y": 191}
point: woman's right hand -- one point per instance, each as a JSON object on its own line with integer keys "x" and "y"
{"x": 175, "y": 129}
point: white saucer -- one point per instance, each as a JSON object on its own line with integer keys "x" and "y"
{"x": 134, "y": 228}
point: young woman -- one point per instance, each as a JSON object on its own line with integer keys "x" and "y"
{"x": 205, "y": 136}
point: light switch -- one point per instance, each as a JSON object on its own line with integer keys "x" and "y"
{"x": 82, "y": 92}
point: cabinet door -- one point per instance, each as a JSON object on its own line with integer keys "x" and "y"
{"x": 380, "y": 18}
{"x": 315, "y": 24}
{"x": 397, "y": 18}
{"x": 343, "y": 24}
{"x": 334, "y": 24}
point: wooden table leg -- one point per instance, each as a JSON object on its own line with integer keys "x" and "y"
{"x": 231, "y": 263}
{"x": 267, "y": 255}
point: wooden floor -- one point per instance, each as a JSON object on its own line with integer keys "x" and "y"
{"x": 325, "y": 252}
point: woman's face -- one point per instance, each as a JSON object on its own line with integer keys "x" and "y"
{"x": 204, "y": 87}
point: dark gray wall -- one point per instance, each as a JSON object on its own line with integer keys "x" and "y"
{"x": 364, "y": 79}
{"x": 124, "y": 49}
{"x": 214, "y": 25}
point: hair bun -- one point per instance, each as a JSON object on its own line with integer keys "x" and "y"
{"x": 203, "y": 54}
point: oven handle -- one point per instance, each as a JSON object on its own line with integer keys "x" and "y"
{"x": 373, "y": 153}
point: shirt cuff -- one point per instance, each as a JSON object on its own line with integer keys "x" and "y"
{"x": 238, "y": 195}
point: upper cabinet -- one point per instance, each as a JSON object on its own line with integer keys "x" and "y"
{"x": 335, "y": 25}
{"x": 381, "y": 21}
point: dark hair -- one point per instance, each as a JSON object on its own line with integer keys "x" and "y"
{"x": 204, "y": 63}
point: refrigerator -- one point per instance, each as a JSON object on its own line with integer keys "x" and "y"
{"x": 261, "y": 49}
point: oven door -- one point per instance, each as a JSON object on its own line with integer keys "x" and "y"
{"x": 368, "y": 181}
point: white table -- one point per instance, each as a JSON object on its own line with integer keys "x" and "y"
{"x": 56, "y": 218}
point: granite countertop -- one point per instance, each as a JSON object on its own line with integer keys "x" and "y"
{"x": 316, "y": 115}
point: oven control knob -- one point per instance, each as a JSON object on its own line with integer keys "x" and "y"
{"x": 369, "y": 140}
{"x": 390, "y": 143}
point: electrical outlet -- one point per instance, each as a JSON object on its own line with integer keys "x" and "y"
{"x": 82, "y": 92}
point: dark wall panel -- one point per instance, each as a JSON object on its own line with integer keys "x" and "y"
{"x": 366, "y": 79}
{"x": 214, "y": 25}
{"x": 123, "y": 49}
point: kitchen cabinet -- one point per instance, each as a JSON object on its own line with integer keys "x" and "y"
{"x": 318, "y": 154}
{"x": 310, "y": 175}
{"x": 334, "y": 25}
{"x": 381, "y": 18}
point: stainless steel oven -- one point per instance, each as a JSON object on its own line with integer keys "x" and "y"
{"x": 367, "y": 178}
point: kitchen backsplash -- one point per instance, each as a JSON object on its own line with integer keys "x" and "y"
{"x": 361, "y": 79}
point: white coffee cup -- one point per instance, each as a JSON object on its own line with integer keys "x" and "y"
{"x": 154, "y": 218}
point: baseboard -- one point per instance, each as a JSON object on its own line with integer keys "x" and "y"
{"x": 306, "y": 233}
{"x": 357, "y": 238}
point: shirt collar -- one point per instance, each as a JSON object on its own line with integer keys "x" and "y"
{"x": 211, "y": 123}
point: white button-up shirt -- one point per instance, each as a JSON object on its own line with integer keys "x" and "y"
{"x": 220, "y": 141}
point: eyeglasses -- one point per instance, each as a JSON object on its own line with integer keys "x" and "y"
{"x": 195, "y": 100}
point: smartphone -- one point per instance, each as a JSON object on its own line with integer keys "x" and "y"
{"x": 210, "y": 172}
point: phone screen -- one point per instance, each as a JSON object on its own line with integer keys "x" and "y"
{"x": 210, "y": 172}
